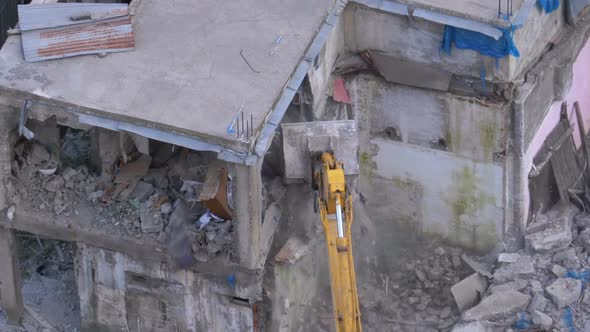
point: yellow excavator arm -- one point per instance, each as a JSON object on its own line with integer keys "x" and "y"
{"x": 334, "y": 203}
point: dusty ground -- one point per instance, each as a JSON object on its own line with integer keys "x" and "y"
{"x": 49, "y": 286}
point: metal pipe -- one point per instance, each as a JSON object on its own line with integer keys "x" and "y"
{"x": 339, "y": 223}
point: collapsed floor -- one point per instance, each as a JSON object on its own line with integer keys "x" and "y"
{"x": 145, "y": 196}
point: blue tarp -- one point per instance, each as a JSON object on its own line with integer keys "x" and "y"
{"x": 584, "y": 276}
{"x": 568, "y": 319}
{"x": 467, "y": 39}
{"x": 548, "y": 5}
{"x": 524, "y": 322}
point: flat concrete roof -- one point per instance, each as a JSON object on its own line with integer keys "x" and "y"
{"x": 485, "y": 11}
{"x": 186, "y": 73}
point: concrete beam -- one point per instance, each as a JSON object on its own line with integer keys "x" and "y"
{"x": 11, "y": 299}
{"x": 247, "y": 196}
{"x": 71, "y": 229}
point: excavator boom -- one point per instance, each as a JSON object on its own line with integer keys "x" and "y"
{"x": 335, "y": 208}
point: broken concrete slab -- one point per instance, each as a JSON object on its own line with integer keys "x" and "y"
{"x": 539, "y": 302}
{"x": 564, "y": 291}
{"x": 38, "y": 155}
{"x": 410, "y": 73}
{"x": 583, "y": 238}
{"x": 542, "y": 320}
{"x": 151, "y": 220}
{"x": 559, "y": 270}
{"x": 517, "y": 285}
{"x": 582, "y": 220}
{"x": 54, "y": 184}
{"x": 568, "y": 256}
{"x": 471, "y": 327}
{"x": 552, "y": 235}
{"x": 95, "y": 195}
{"x": 292, "y": 251}
{"x": 439, "y": 251}
{"x": 508, "y": 257}
{"x": 536, "y": 286}
{"x": 498, "y": 305}
{"x": 469, "y": 291}
{"x": 142, "y": 191}
{"x": 522, "y": 268}
{"x": 477, "y": 266}
{"x": 68, "y": 173}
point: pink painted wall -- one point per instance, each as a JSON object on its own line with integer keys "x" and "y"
{"x": 580, "y": 92}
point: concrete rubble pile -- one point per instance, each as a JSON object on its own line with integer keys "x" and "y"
{"x": 417, "y": 296}
{"x": 138, "y": 199}
{"x": 539, "y": 288}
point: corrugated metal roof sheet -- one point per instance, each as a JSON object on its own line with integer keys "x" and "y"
{"x": 53, "y": 31}
{"x": 43, "y": 16}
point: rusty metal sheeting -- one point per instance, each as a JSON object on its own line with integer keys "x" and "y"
{"x": 53, "y": 31}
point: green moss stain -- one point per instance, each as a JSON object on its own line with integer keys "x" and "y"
{"x": 366, "y": 164}
{"x": 467, "y": 200}
{"x": 403, "y": 184}
{"x": 487, "y": 136}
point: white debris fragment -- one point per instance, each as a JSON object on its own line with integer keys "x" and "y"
{"x": 10, "y": 212}
{"x": 559, "y": 270}
{"x": 206, "y": 218}
{"x": 508, "y": 257}
{"x": 498, "y": 304}
{"x": 564, "y": 291}
{"x": 542, "y": 320}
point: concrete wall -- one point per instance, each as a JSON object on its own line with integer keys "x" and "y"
{"x": 533, "y": 39}
{"x": 118, "y": 293}
{"x": 320, "y": 74}
{"x": 420, "y": 40}
{"x": 456, "y": 190}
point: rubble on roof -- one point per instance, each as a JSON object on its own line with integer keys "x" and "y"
{"x": 137, "y": 200}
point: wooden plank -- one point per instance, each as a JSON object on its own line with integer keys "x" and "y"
{"x": 583, "y": 140}
{"x": 566, "y": 170}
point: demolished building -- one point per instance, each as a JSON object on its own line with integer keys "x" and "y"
{"x": 206, "y": 100}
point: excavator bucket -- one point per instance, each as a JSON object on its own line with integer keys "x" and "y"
{"x": 304, "y": 140}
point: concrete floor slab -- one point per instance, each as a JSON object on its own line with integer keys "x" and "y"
{"x": 482, "y": 11}
{"x": 76, "y": 229}
{"x": 186, "y": 73}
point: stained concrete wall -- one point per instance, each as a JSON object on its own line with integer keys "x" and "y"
{"x": 456, "y": 190}
{"x": 118, "y": 293}
{"x": 534, "y": 38}
{"x": 468, "y": 127}
{"x": 457, "y": 136}
{"x": 420, "y": 41}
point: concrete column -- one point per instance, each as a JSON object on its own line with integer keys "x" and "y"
{"x": 247, "y": 197}
{"x": 8, "y": 130}
{"x": 11, "y": 299}
{"x": 105, "y": 149}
